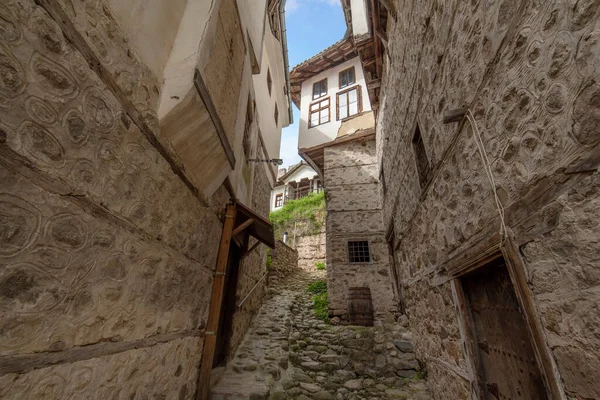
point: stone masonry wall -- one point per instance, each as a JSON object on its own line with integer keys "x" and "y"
{"x": 528, "y": 70}
{"x": 106, "y": 255}
{"x": 284, "y": 261}
{"x": 311, "y": 250}
{"x": 354, "y": 213}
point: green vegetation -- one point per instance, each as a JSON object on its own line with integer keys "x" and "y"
{"x": 320, "y": 265}
{"x": 305, "y": 215}
{"x": 318, "y": 287}
{"x": 269, "y": 259}
{"x": 321, "y": 305}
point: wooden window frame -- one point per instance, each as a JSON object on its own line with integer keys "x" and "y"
{"x": 269, "y": 81}
{"x": 311, "y": 111}
{"x": 247, "y": 140}
{"x": 326, "y": 89}
{"x": 278, "y": 200}
{"x": 345, "y": 92}
{"x": 348, "y": 83}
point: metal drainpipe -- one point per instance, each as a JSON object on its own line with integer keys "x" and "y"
{"x": 286, "y": 62}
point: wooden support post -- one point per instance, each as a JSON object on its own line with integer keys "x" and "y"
{"x": 254, "y": 246}
{"x": 216, "y": 299}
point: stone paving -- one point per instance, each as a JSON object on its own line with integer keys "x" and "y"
{"x": 290, "y": 354}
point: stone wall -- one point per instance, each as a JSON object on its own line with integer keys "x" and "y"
{"x": 354, "y": 213}
{"x": 284, "y": 261}
{"x": 106, "y": 248}
{"x": 528, "y": 71}
{"x": 311, "y": 250}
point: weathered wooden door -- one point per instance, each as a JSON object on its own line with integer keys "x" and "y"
{"x": 506, "y": 361}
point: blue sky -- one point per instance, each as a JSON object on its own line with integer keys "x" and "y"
{"x": 312, "y": 25}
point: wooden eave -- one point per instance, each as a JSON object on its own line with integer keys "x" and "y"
{"x": 330, "y": 57}
{"x": 260, "y": 229}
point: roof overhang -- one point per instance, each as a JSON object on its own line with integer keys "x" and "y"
{"x": 330, "y": 57}
{"x": 254, "y": 225}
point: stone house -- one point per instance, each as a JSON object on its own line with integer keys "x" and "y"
{"x": 298, "y": 181}
{"x": 488, "y": 155}
{"x": 337, "y": 137}
{"x": 126, "y": 129}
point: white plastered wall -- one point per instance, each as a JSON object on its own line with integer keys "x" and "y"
{"x": 309, "y": 137}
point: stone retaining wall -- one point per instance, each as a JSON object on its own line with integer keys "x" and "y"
{"x": 311, "y": 250}
{"x": 284, "y": 261}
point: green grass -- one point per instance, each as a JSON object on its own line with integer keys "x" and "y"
{"x": 318, "y": 287}
{"x": 320, "y": 303}
{"x": 269, "y": 259}
{"x": 320, "y": 265}
{"x": 309, "y": 210}
{"x": 321, "y": 306}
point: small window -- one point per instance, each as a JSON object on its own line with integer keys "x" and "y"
{"x": 276, "y": 115}
{"x": 358, "y": 251}
{"x": 320, "y": 89}
{"x": 279, "y": 200}
{"x": 319, "y": 113}
{"x": 347, "y": 77}
{"x": 269, "y": 81}
{"x": 348, "y": 103}
{"x": 423, "y": 167}
{"x": 246, "y": 142}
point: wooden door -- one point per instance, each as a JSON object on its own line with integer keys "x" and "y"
{"x": 228, "y": 305}
{"x": 507, "y": 367}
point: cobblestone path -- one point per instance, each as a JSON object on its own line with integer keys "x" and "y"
{"x": 290, "y": 354}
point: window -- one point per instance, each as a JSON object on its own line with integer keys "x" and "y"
{"x": 246, "y": 141}
{"x": 269, "y": 81}
{"x": 279, "y": 200}
{"x": 422, "y": 161}
{"x": 319, "y": 113}
{"x": 348, "y": 103}
{"x": 276, "y": 115}
{"x": 358, "y": 251}
{"x": 347, "y": 77}
{"x": 320, "y": 89}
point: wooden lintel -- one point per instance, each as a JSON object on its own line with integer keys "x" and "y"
{"x": 242, "y": 226}
{"x": 212, "y": 325}
{"x": 214, "y": 116}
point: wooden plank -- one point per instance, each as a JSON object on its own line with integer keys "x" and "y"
{"x": 21, "y": 363}
{"x": 251, "y": 249}
{"x": 242, "y": 226}
{"x": 516, "y": 268}
{"x": 216, "y": 299}
{"x": 210, "y": 107}
{"x": 467, "y": 333}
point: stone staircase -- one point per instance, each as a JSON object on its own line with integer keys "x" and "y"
{"x": 290, "y": 354}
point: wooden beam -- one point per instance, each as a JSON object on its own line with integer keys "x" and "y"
{"x": 251, "y": 249}
{"x": 243, "y": 226}
{"x": 216, "y": 299}
{"x": 214, "y": 116}
{"x": 516, "y": 269}
{"x": 389, "y": 5}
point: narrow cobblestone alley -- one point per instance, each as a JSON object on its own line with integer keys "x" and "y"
{"x": 290, "y": 354}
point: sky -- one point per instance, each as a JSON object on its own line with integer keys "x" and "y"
{"x": 312, "y": 26}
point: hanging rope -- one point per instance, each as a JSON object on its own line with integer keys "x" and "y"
{"x": 488, "y": 172}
